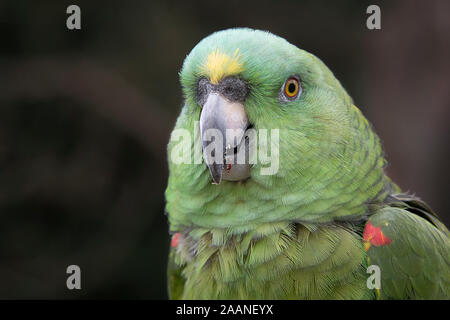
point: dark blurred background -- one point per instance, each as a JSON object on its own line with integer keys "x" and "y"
{"x": 85, "y": 117}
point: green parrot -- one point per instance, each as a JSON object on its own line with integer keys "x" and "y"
{"x": 311, "y": 214}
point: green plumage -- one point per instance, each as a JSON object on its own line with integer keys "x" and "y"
{"x": 296, "y": 234}
{"x": 416, "y": 264}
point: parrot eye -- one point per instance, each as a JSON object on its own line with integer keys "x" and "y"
{"x": 291, "y": 88}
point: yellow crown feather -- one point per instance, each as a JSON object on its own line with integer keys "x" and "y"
{"x": 219, "y": 65}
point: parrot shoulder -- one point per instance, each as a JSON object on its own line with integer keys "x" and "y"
{"x": 411, "y": 247}
{"x": 175, "y": 279}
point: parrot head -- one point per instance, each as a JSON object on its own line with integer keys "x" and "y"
{"x": 314, "y": 151}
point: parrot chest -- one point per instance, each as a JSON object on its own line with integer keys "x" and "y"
{"x": 287, "y": 261}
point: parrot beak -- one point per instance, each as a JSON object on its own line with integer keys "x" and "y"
{"x": 221, "y": 119}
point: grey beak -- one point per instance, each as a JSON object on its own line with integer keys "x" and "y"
{"x": 222, "y": 127}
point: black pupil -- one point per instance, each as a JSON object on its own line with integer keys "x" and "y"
{"x": 291, "y": 87}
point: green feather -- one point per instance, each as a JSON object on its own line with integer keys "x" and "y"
{"x": 416, "y": 264}
{"x": 296, "y": 234}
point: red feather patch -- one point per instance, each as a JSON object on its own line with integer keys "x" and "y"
{"x": 174, "y": 242}
{"x": 374, "y": 236}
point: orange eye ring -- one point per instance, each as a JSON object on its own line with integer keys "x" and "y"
{"x": 291, "y": 88}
